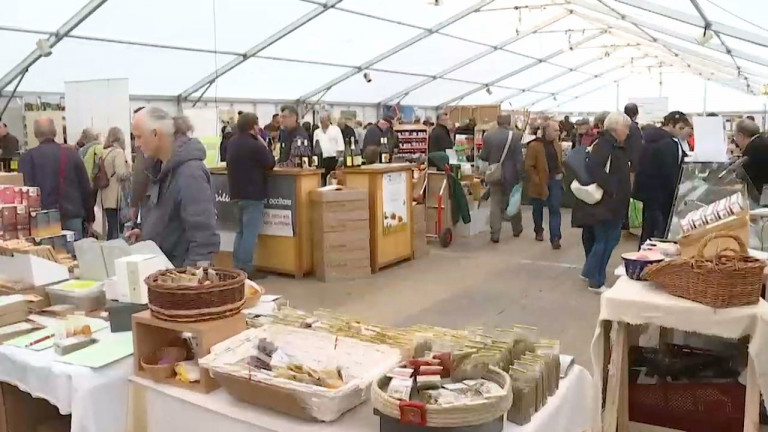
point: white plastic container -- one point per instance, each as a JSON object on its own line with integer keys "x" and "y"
{"x": 83, "y": 295}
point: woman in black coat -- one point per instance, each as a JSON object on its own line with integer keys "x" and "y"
{"x": 608, "y": 165}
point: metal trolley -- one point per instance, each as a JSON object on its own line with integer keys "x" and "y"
{"x": 437, "y": 199}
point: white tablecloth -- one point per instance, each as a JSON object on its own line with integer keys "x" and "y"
{"x": 635, "y": 302}
{"x": 169, "y": 408}
{"x": 96, "y": 398}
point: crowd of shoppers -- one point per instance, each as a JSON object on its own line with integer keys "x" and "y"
{"x": 624, "y": 160}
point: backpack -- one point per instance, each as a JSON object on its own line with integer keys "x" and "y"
{"x": 100, "y": 177}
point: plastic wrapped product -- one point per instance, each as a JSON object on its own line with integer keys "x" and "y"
{"x": 523, "y": 407}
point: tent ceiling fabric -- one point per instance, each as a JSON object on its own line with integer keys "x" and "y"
{"x": 524, "y": 53}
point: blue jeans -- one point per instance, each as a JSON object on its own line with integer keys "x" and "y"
{"x": 250, "y": 218}
{"x": 607, "y": 236}
{"x": 553, "y": 202}
{"x": 75, "y": 225}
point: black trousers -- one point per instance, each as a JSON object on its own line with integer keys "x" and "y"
{"x": 655, "y": 219}
{"x": 113, "y": 223}
{"x": 329, "y": 164}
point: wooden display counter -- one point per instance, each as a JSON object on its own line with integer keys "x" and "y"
{"x": 285, "y": 242}
{"x": 390, "y": 192}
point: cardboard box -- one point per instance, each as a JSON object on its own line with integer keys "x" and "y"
{"x": 343, "y": 240}
{"x": 7, "y": 194}
{"x": 150, "y": 334}
{"x": 20, "y": 412}
{"x": 12, "y": 179}
{"x": 131, "y": 272}
{"x": 343, "y": 268}
{"x": 14, "y": 317}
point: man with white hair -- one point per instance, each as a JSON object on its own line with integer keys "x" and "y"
{"x": 61, "y": 176}
{"x": 178, "y": 213}
{"x": 608, "y": 165}
{"x": 331, "y": 142}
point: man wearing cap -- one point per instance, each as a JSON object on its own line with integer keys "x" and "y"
{"x": 658, "y": 173}
{"x": 583, "y": 134}
{"x": 373, "y": 139}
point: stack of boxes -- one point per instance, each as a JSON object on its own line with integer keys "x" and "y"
{"x": 340, "y": 233}
{"x": 18, "y": 205}
{"x": 419, "y": 226}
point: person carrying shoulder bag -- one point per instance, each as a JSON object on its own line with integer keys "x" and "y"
{"x": 502, "y": 149}
{"x": 117, "y": 173}
{"x": 607, "y": 215}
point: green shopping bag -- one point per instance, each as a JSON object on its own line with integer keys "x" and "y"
{"x": 635, "y": 214}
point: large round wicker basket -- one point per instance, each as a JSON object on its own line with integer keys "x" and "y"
{"x": 195, "y": 303}
{"x": 730, "y": 278}
{"x": 451, "y": 416}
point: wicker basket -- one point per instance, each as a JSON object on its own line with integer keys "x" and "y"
{"x": 450, "y": 416}
{"x": 730, "y": 278}
{"x": 195, "y": 303}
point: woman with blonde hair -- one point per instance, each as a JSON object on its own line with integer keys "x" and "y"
{"x": 116, "y": 167}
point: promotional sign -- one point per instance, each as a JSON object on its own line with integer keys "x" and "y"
{"x": 651, "y": 109}
{"x": 279, "y": 207}
{"x": 226, "y": 211}
{"x": 395, "y": 202}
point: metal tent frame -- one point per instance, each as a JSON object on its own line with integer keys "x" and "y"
{"x": 658, "y": 44}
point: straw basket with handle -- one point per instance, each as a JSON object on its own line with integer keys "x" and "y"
{"x": 730, "y": 278}
{"x": 454, "y": 416}
{"x": 196, "y": 303}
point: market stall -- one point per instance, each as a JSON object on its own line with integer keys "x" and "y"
{"x": 390, "y": 192}
{"x": 631, "y": 303}
{"x": 285, "y": 243}
{"x": 97, "y": 399}
{"x": 567, "y": 411}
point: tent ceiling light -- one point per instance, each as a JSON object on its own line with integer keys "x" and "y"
{"x": 705, "y": 37}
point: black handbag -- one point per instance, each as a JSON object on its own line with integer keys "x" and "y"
{"x": 576, "y": 162}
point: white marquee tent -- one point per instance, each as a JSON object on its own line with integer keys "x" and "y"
{"x": 538, "y": 54}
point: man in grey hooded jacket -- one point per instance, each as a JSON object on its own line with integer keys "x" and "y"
{"x": 178, "y": 213}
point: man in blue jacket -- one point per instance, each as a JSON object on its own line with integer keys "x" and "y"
{"x": 178, "y": 213}
{"x": 60, "y": 174}
{"x": 248, "y": 164}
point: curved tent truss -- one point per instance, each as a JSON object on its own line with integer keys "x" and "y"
{"x": 536, "y": 54}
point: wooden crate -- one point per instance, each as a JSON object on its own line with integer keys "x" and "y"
{"x": 737, "y": 224}
{"x": 150, "y": 334}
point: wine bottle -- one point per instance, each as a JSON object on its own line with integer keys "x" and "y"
{"x": 383, "y": 151}
{"x": 348, "y": 158}
{"x": 357, "y": 157}
{"x": 305, "y": 154}
{"x": 317, "y": 157}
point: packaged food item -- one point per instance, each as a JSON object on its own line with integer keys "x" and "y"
{"x": 400, "y": 388}
{"x": 34, "y": 201}
{"x": 428, "y": 382}
{"x": 523, "y": 385}
{"x": 400, "y": 373}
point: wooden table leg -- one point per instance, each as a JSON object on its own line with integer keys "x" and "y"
{"x": 752, "y": 402}
{"x": 615, "y": 418}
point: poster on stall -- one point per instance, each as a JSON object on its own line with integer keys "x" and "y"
{"x": 279, "y": 207}
{"x": 395, "y": 201}
{"x": 226, "y": 210}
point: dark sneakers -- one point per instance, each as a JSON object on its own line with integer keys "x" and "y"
{"x": 539, "y": 236}
{"x": 517, "y": 234}
{"x": 257, "y": 275}
{"x": 556, "y": 245}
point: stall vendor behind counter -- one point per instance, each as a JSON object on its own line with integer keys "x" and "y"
{"x": 284, "y": 244}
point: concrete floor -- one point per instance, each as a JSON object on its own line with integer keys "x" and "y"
{"x": 474, "y": 283}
